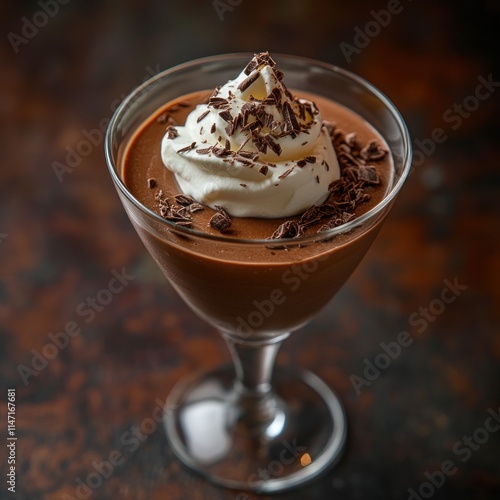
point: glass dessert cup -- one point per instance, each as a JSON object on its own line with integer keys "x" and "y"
{"x": 250, "y": 426}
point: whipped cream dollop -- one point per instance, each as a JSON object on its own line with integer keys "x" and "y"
{"x": 253, "y": 148}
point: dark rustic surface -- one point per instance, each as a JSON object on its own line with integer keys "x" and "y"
{"x": 61, "y": 239}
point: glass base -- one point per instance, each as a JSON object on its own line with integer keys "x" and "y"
{"x": 306, "y": 436}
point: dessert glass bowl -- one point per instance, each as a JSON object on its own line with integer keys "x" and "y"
{"x": 250, "y": 425}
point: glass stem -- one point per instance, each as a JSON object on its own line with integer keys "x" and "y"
{"x": 254, "y": 401}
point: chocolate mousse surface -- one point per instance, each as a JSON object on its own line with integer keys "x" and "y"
{"x": 366, "y": 175}
{"x": 258, "y": 277}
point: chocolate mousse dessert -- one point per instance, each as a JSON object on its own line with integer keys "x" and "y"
{"x": 252, "y": 160}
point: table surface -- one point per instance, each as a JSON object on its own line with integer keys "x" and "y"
{"x": 63, "y": 233}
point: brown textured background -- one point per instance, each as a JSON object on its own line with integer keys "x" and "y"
{"x": 60, "y": 241}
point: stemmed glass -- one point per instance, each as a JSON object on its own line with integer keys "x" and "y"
{"x": 252, "y": 425}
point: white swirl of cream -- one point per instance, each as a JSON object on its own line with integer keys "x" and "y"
{"x": 253, "y": 149}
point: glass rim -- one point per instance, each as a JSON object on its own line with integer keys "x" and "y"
{"x": 246, "y": 56}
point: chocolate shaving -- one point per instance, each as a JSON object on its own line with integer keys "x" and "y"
{"x": 251, "y": 126}
{"x": 274, "y": 146}
{"x": 286, "y": 173}
{"x": 151, "y": 183}
{"x": 218, "y": 102}
{"x": 247, "y": 154}
{"x": 247, "y": 82}
{"x": 250, "y": 66}
{"x": 347, "y": 159}
{"x": 368, "y": 174}
{"x": 214, "y": 93}
{"x": 204, "y": 151}
{"x": 172, "y": 213}
{"x": 349, "y": 172}
{"x": 226, "y": 116}
{"x": 329, "y": 209}
{"x": 202, "y": 116}
{"x": 269, "y": 100}
{"x": 291, "y": 124}
{"x": 184, "y": 199}
{"x": 172, "y": 132}
{"x": 234, "y": 124}
{"x": 259, "y": 60}
{"x": 244, "y": 161}
{"x": 373, "y": 151}
{"x": 180, "y": 212}
{"x": 311, "y": 216}
{"x": 213, "y": 128}
{"x": 221, "y": 220}
{"x": 265, "y": 119}
{"x": 289, "y": 229}
{"x": 187, "y": 148}
{"x": 264, "y": 169}
{"x": 248, "y": 109}
{"x": 220, "y": 152}
{"x": 196, "y": 207}
{"x": 260, "y": 144}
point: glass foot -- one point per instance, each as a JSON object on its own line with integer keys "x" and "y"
{"x": 306, "y": 436}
